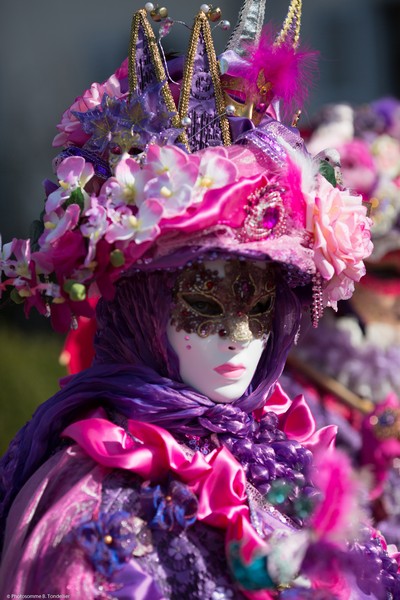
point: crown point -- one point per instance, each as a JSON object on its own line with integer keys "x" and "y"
{"x": 205, "y": 8}
{"x": 149, "y": 6}
{"x": 225, "y": 25}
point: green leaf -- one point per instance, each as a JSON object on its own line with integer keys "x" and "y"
{"x": 76, "y": 197}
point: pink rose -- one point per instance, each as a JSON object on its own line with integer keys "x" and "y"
{"x": 70, "y": 127}
{"x": 342, "y": 239}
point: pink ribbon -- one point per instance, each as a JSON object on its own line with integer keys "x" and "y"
{"x": 217, "y": 479}
{"x": 297, "y": 421}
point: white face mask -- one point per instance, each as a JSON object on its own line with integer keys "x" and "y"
{"x": 222, "y": 366}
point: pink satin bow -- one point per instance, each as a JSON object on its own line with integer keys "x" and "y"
{"x": 297, "y": 421}
{"x": 217, "y": 479}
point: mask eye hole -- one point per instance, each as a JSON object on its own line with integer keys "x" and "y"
{"x": 263, "y": 306}
{"x": 203, "y": 305}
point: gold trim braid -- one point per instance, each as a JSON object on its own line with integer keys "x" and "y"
{"x": 202, "y": 26}
{"x": 140, "y": 20}
{"x": 290, "y": 31}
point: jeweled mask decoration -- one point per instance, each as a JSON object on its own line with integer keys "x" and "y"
{"x": 239, "y": 306}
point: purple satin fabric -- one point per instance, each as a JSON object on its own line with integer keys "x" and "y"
{"x": 66, "y": 488}
{"x": 135, "y": 584}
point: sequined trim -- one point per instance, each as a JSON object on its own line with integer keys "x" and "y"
{"x": 290, "y": 32}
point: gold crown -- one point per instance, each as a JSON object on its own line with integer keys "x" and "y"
{"x": 206, "y": 99}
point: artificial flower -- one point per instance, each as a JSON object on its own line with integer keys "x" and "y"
{"x": 70, "y": 126}
{"x": 57, "y": 223}
{"x": 174, "y": 177}
{"x": 17, "y": 258}
{"x": 216, "y": 170}
{"x": 341, "y": 231}
{"x": 128, "y": 184}
{"x": 73, "y": 174}
{"x": 140, "y": 227}
{"x": 110, "y": 540}
{"x": 94, "y": 226}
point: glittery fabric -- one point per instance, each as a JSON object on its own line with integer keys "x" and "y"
{"x": 290, "y": 33}
{"x": 146, "y": 66}
{"x": 267, "y": 141}
{"x": 249, "y": 25}
{"x": 89, "y": 523}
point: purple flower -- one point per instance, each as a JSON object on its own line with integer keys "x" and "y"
{"x": 94, "y": 227}
{"x": 110, "y": 540}
{"x": 57, "y": 223}
{"x": 128, "y": 186}
{"x": 73, "y": 174}
{"x": 172, "y": 509}
{"x": 140, "y": 227}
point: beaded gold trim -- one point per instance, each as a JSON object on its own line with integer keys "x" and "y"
{"x": 202, "y": 26}
{"x": 140, "y": 20}
{"x": 290, "y": 31}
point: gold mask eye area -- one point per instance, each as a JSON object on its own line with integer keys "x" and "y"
{"x": 263, "y": 306}
{"x": 237, "y": 96}
{"x": 203, "y": 305}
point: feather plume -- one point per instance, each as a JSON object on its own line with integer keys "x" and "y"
{"x": 339, "y": 514}
{"x": 300, "y": 181}
{"x": 287, "y": 70}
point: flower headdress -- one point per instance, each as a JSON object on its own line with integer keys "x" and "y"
{"x": 147, "y": 180}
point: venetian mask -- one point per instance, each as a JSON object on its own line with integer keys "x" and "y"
{"x": 220, "y": 322}
{"x": 248, "y": 102}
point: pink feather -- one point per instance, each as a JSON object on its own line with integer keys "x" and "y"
{"x": 288, "y": 70}
{"x": 293, "y": 178}
{"x": 338, "y": 515}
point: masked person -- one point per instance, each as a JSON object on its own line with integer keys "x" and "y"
{"x": 175, "y": 466}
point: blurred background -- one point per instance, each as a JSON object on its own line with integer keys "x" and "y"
{"x": 52, "y": 51}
